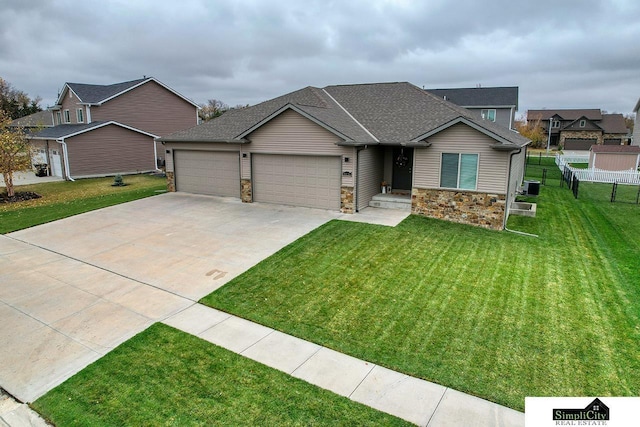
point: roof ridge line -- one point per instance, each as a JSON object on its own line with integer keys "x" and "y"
{"x": 351, "y": 116}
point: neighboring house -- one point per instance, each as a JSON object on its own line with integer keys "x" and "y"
{"x": 496, "y": 104}
{"x": 614, "y": 157}
{"x": 580, "y": 129}
{"x": 108, "y": 129}
{"x": 636, "y": 129}
{"x": 41, "y": 119}
{"x": 332, "y": 147}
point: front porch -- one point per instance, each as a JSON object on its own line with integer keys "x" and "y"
{"x": 400, "y": 200}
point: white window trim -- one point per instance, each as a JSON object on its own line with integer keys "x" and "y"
{"x": 583, "y": 123}
{"x": 555, "y": 124}
{"x": 488, "y": 110}
{"x": 59, "y": 117}
{"x": 80, "y": 115}
{"x": 67, "y": 116}
{"x": 475, "y": 188}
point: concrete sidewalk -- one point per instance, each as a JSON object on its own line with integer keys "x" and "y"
{"x": 409, "y": 398}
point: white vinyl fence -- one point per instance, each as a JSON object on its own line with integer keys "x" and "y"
{"x": 596, "y": 175}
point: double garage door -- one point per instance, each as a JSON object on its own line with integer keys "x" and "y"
{"x": 309, "y": 181}
{"x": 215, "y": 173}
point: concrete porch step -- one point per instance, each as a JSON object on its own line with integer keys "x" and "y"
{"x": 391, "y": 201}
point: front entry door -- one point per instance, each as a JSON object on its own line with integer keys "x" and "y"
{"x": 402, "y": 167}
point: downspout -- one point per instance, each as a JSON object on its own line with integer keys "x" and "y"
{"x": 155, "y": 154}
{"x": 65, "y": 157}
{"x": 506, "y": 216}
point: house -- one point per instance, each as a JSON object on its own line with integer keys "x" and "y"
{"x": 614, "y": 157}
{"x": 580, "y": 129}
{"x": 41, "y": 119}
{"x": 635, "y": 139}
{"x": 332, "y": 147}
{"x": 496, "y": 104}
{"x": 108, "y": 129}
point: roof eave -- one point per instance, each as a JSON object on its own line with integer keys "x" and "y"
{"x": 506, "y": 147}
{"x": 224, "y": 141}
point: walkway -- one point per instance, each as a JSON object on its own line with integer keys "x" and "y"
{"x": 415, "y": 400}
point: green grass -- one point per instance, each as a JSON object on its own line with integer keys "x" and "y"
{"x": 166, "y": 377}
{"x": 65, "y": 198}
{"x": 579, "y": 165}
{"x": 494, "y": 314}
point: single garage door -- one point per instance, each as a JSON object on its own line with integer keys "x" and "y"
{"x": 310, "y": 181}
{"x": 578, "y": 144}
{"x": 613, "y": 141}
{"x": 215, "y": 173}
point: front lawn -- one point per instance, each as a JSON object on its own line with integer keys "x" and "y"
{"x": 167, "y": 377}
{"x": 66, "y": 198}
{"x": 494, "y": 314}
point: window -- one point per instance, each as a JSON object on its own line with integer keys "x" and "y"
{"x": 583, "y": 123}
{"x": 67, "y": 116}
{"x": 555, "y": 124}
{"x": 59, "y": 117}
{"x": 80, "y": 115}
{"x": 489, "y": 115}
{"x": 459, "y": 171}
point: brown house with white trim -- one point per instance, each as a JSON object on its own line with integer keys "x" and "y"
{"x": 580, "y": 129}
{"x": 332, "y": 147}
{"x": 108, "y": 129}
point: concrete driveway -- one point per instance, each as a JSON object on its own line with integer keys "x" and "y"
{"x": 72, "y": 290}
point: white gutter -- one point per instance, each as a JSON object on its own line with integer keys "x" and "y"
{"x": 65, "y": 157}
{"x": 88, "y": 113}
{"x": 155, "y": 154}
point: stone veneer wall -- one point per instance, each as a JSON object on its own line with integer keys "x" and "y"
{"x": 171, "y": 182}
{"x": 466, "y": 207}
{"x": 581, "y": 134}
{"x": 346, "y": 200}
{"x": 245, "y": 191}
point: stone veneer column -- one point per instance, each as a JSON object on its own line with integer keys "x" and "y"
{"x": 171, "y": 182}
{"x": 466, "y": 207}
{"x": 245, "y": 191}
{"x": 346, "y": 200}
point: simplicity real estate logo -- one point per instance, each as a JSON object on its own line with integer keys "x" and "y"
{"x": 595, "y": 411}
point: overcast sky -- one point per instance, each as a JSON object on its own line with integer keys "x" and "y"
{"x": 561, "y": 53}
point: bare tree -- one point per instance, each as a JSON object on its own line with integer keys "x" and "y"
{"x": 212, "y": 109}
{"x": 15, "y": 151}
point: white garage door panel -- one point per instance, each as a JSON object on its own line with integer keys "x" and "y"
{"x": 310, "y": 181}
{"x": 207, "y": 172}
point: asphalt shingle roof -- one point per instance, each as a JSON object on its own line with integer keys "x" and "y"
{"x": 613, "y": 123}
{"x": 480, "y": 96}
{"x": 627, "y": 149}
{"x": 567, "y": 114}
{"x": 392, "y": 112}
{"x": 94, "y": 94}
{"x": 62, "y": 131}
{"x": 41, "y": 118}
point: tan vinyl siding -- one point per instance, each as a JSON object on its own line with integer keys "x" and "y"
{"x": 200, "y": 146}
{"x": 460, "y": 138}
{"x": 613, "y": 161}
{"x": 71, "y": 102}
{"x": 370, "y": 175}
{"x": 108, "y": 150}
{"x": 150, "y": 108}
{"x": 291, "y": 133}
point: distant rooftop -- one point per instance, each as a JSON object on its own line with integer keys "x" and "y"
{"x": 480, "y": 96}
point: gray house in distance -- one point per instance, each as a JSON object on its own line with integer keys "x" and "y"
{"x": 495, "y": 104}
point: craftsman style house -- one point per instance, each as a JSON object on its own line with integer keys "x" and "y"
{"x": 495, "y": 104}
{"x": 108, "y": 129}
{"x": 338, "y": 147}
{"x": 580, "y": 129}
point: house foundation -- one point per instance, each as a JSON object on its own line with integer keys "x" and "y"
{"x": 346, "y": 200}
{"x": 171, "y": 182}
{"x": 465, "y": 207}
{"x": 246, "y": 194}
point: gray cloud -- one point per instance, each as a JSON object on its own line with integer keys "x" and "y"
{"x": 582, "y": 53}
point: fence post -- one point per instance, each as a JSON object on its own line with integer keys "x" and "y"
{"x": 614, "y": 189}
{"x": 544, "y": 176}
{"x": 638, "y": 195}
{"x": 539, "y": 158}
